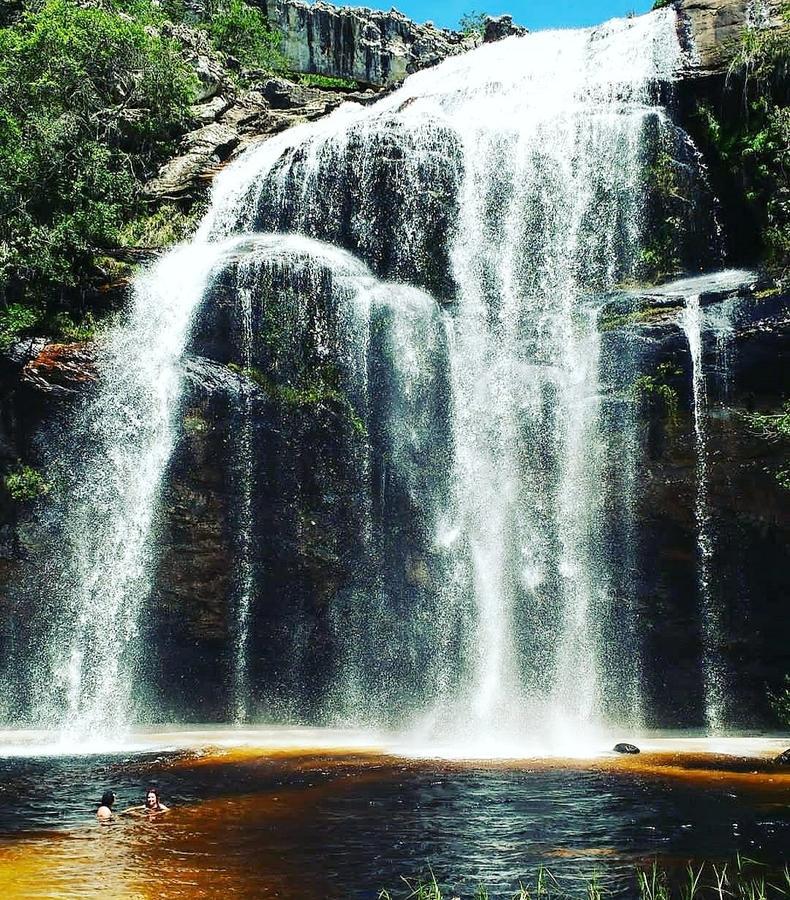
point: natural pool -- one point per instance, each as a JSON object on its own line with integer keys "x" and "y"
{"x": 314, "y": 814}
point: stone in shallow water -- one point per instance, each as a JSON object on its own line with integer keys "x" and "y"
{"x": 626, "y": 748}
{"x": 783, "y": 759}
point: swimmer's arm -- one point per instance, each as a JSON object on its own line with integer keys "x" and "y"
{"x": 133, "y": 810}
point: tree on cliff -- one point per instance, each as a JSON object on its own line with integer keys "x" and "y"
{"x": 93, "y": 98}
{"x": 90, "y": 101}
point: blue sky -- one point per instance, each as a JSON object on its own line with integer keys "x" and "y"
{"x": 534, "y": 14}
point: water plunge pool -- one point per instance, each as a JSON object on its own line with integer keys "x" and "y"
{"x": 318, "y": 813}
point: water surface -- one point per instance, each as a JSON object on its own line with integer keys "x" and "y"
{"x": 276, "y": 820}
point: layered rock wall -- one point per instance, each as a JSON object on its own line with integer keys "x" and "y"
{"x": 711, "y": 29}
{"x": 367, "y": 45}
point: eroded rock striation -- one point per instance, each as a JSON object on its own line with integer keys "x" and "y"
{"x": 367, "y": 45}
{"x": 711, "y": 29}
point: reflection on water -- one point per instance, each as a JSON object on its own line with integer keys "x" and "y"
{"x": 321, "y": 824}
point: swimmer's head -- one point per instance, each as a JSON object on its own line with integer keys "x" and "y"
{"x": 107, "y": 799}
{"x": 152, "y": 798}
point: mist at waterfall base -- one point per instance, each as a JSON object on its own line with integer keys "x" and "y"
{"x": 426, "y": 274}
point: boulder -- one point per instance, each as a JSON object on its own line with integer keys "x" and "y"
{"x": 282, "y": 94}
{"x": 61, "y": 368}
{"x": 498, "y": 27}
{"x": 195, "y": 47}
{"x": 208, "y": 112}
{"x": 626, "y": 748}
{"x": 211, "y": 77}
{"x": 783, "y": 759}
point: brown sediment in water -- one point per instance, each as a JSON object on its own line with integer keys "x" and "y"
{"x": 199, "y": 850}
{"x": 754, "y": 774}
{"x": 582, "y": 852}
{"x": 749, "y": 772}
{"x": 259, "y": 837}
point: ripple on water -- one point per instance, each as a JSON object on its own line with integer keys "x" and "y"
{"x": 323, "y": 822}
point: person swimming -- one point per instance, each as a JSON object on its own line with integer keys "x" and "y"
{"x": 104, "y": 812}
{"x": 153, "y": 806}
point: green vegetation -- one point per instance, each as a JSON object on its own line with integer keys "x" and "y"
{"x": 25, "y": 484}
{"x": 194, "y": 422}
{"x": 743, "y": 879}
{"x": 167, "y": 224}
{"x": 16, "y": 320}
{"x": 243, "y": 31}
{"x": 656, "y": 395}
{"x": 660, "y": 4}
{"x": 661, "y": 255}
{"x": 610, "y": 319}
{"x": 754, "y": 149}
{"x": 774, "y": 428}
{"x": 473, "y": 23}
{"x": 320, "y": 392}
{"x": 329, "y": 82}
{"x": 93, "y": 98}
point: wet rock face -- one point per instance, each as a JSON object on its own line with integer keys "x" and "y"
{"x": 711, "y": 29}
{"x": 369, "y": 46}
{"x": 40, "y": 381}
{"x": 746, "y": 366}
{"x": 61, "y": 368}
{"x": 307, "y": 487}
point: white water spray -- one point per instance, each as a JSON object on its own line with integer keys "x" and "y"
{"x": 245, "y": 576}
{"x": 712, "y": 666}
{"x": 112, "y": 496}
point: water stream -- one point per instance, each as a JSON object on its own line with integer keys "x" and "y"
{"x": 245, "y": 474}
{"x": 691, "y": 321}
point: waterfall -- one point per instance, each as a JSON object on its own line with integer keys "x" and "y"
{"x": 424, "y": 275}
{"x": 508, "y": 183}
{"x": 720, "y": 322}
{"x": 712, "y": 666}
{"x": 109, "y": 482}
{"x": 244, "y": 464}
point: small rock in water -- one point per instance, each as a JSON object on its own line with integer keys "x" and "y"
{"x": 626, "y": 748}
{"x": 783, "y": 759}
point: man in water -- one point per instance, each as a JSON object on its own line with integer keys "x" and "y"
{"x": 104, "y": 812}
{"x": 152, "y": 805}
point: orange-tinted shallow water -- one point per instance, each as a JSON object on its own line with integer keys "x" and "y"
{"x": 276, "y": 820}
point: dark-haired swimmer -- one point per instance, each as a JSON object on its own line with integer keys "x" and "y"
{"x": 104, "y": 812}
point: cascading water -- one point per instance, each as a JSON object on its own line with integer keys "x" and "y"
{"x": 245, "y": 474}
{"x": 482, "y": 210}
{"x": 109, "y": 484}
{"x": 691, "y": 321}
{"x": 542, "y": 154}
